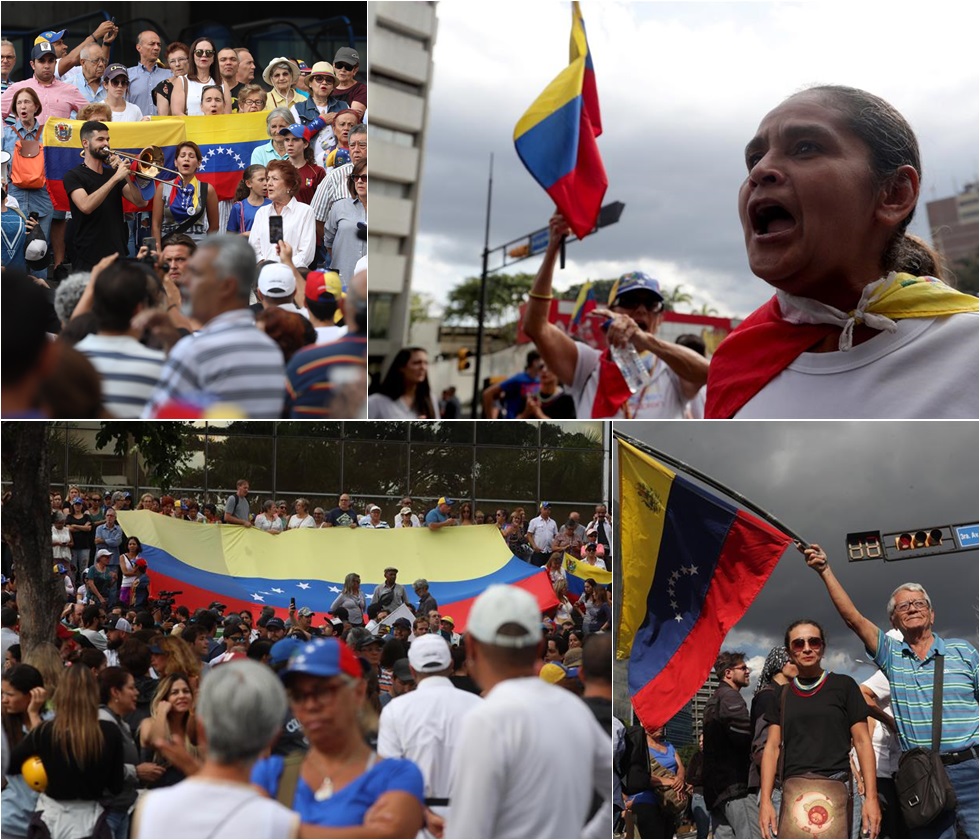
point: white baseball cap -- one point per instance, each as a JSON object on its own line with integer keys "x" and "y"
{"x": 36, "y": 250}
{"x": 429, "y": 653}
{"x": 501, "y": 604}
{"x": 277, "y": 280}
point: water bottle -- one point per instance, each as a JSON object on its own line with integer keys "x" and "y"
{"x": 631, "y": 366}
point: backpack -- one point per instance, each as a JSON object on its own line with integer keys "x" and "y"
{"x": 27, "y": 165}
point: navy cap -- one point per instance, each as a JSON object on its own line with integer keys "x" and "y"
{"x": 637, "y": 281}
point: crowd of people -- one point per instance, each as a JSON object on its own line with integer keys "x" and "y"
{"x": 357, "y": 722}
{"x": 223, "y": 296}
{"x": 816, "y": 754}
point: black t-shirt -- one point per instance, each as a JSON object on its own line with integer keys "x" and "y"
{"x": 82, "y": 540}
{"x": 817, "y": 729}
{"x": 66, "y": 778}
{"x": 341, "y": 518}
{"x": 101, "y": 232}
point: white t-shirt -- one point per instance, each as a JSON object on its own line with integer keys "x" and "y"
{"x": 929, "y": 368}
{"x": 205, "y": 808}
{"x": 415, "y": 521}
{"x": 131, "y": 113}
{"x": 509, "y": 782}
{"x": 660, "y": 398}
{"x": 263, "y": 523}
{"x": 883, "y": 741}
{"x": 296, "y": 521}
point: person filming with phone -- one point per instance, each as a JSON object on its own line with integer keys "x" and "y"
{"x": 285, "y": 219}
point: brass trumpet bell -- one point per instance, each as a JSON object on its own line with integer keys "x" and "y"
{"x": 150, "y": 164}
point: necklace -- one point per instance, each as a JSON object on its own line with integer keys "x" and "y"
{"x": 812, "y": 688}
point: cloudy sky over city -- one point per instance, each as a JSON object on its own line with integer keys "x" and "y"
{"x": 683, "y": 86}
{"x": 824, "y": 480}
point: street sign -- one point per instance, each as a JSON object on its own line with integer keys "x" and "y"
{"x": 968, "y": 536}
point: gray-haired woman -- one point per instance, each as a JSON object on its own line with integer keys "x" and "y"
{"x": 240, "y": 711}
{"x": 352, "y": 599}
{"x": 276, "y": 120}
{"x": 269, "y": 520}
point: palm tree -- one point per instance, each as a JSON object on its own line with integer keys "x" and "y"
{"x": 674, "y": 296}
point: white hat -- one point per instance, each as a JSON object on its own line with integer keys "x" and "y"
{"x": 502, "y": 604}
{"x": 277, "y": 280}
{"x": 103, "y": 552}
{"x": 123, "y": 625}
{"x": 373, "y": 508}
{"x": 36, "y": 250}
{"x": 429, "y": 653}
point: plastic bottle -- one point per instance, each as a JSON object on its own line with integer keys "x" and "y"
{"x": 631, "y": 366}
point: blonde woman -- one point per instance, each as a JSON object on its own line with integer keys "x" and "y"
{"x": 171, "y": 720}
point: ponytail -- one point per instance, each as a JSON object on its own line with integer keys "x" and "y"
{"x": 911, "y": 254}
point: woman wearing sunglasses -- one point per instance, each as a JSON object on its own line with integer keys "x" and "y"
{"x": 116, "y": 81}
{"x": 818, "y": 714}
{"x": 340, "y": 235}
{"x": 187, "y": 95}
{"x": 345, "y": 64}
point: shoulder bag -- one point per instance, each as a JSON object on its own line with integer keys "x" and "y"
{"x": 924, "y": 789}
{"x": 673, "y": 802}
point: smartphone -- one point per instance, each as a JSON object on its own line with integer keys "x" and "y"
{"x": 292, "y": 603}
{"x": 151, "y": 244}
{"x": 275, "y": 229}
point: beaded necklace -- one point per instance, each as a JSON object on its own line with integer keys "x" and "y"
{"x": 809, "y": 690}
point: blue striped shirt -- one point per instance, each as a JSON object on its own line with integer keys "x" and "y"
{"x": 911, "y": 682}
{"x": 229, "y": 360}
{"x": 129, "y": 371}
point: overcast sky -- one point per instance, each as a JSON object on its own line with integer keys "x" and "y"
{"x": 683, "y": 87}
{"x": 823, "y": 480}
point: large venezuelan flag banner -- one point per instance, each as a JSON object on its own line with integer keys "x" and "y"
{"x": 246, "y": 568}
{"x": 226, "y": 143}
{"x": 692, "y": 564}
{"x": 556, "y": 137}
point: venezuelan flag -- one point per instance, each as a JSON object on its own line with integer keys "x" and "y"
{"x": 246, "y": 568}
{"x": 584, "y": 295}
{"x": 227, "y": 142}
{"x": 692, "y": 565}
{"x": 577, "y": 572}
{"x": 556, "y": 137}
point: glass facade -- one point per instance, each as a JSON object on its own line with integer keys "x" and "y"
{"x": 493, "y": 465}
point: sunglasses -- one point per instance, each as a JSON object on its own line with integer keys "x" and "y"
{"x": 814, "y": 643}
{"x": 361, "y": 177}
{"x": 322, "y": 79}
{"x": 118, "y": 81}
{"x": 341, "y": 65}
{"x": 199, "y": 53}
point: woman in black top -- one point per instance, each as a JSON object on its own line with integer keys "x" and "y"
{"x": 82, "y": 757}
{"x": 817, "y": 717}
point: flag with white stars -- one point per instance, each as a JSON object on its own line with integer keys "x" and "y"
{"x": 692, "y": 564}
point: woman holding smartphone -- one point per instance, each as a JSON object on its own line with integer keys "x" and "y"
{"x": 284, "y": 219}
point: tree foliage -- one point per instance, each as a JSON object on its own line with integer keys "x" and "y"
{"x": 161, "y": 445}
{"x": 965, "y": 271}
{"x": 505, "y": 294}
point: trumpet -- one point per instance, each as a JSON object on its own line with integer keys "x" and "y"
{"x": 150, "y": 164}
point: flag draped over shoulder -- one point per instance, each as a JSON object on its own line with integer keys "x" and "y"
{"x": 556, "y": 137}
{"x": 247, "y": 568}
{"x": 226, "y": 142}
{"x": 692, "y": 565}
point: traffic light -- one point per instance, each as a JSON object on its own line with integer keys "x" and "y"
{"x": 463, "y": 359}
{"x": 923, "y": 542}
{"x": 864, "y": 545}
{"x": 520, "y": 251}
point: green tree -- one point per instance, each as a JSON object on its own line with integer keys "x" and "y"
{"x": 420, "y": 308}
{"x": 965, "y": 272}
{"x": 707, "y": 310}
{"x": 505, "y": 294}
{"x": 160, "y": 444}
{"x": 673, "y": 297}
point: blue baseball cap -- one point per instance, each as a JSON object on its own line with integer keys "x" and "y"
{"x": 280, "y": 652}
{"x": 296, "y": 129}
{"x": 637, "y": 281}
{"x": 51, "y": 36}
{"x": 446, "y": 501}
{"x": 326, "y": 657}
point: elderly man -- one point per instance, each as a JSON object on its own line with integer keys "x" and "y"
{"x": 147, "y": 74}
{"x": 424, "y": 725}
{"x": 87, "y": 77}
{"x": 910, "y": 666}
{"x": 541, "y": 533}
{"x": 8, "y": 60}
{"x": 229, "y": 359}
{"x": 674, "y": 374}
{"x": 426, "y": 602}
{"x": 406, "y": 502}
{"x": 441, "y": 515}
{"x": 341, "y": 516}
{"x": 390, "y": 594}
{"x": 514, "y": 730}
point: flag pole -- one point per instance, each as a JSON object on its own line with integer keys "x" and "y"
{"x": 707, "y": 479}
{"x": 477, "y": 391}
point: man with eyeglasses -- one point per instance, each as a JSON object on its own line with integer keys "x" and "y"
{"x": 147, "y": 74}
{"x": 727, "y": 744}
{"x": 674, "y": 374}
{"x": 909, "y": 665}
{"x": 334, "y": 186}
{"x": 87, "y": 77}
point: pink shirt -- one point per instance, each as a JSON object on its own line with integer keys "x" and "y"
{"x": 58, "y": 99}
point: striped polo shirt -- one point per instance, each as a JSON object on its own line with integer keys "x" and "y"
{"x": 911, "y": 681}
{"x": 315, "y": 371}
{"x": 229, "y": 360}
{"x": 129, "y": 371}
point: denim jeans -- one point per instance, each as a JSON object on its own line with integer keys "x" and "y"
{"x": 737, "y": 818}
{"x": 702, "y": 819}
{"x": 963, "y": 777}
{"x": 118, "y": 822}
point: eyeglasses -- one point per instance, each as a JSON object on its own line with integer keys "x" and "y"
{"x": 741, "y": 668}
{"x": 321, "y": 79}
{"x": 637, "y": 302}
{"x": 321, "y": 694}
{"x": 95, "y": 61}
{"x": 342, "y": 65}
{"x": 361, "y": 177}
{"x": 905, "y": 606}
{"x": 118, "y": 81}
{"x": 199, "y": 53}
{"x": 814, "y": 643}
{"x": 182, "y": 59}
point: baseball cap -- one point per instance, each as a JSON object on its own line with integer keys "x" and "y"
{"x": 546, "y": 504}
{"x": 50, "y": 35}
{"x": 405, "y": 511}
{"x": 78, "y": 501}
{"x": 552, "y": 673}
{"x": 306, "y": 612}
{"x": 321, "y": 283}
{"x": 280, "y": 652}
{"x": 114, "y": 71}
{"x": 637, "y": 281}
{"x": 275, "y": 623}
{"x": 361, "y": 637}
{"x": 591, "y": 546}
{"x": 277, "y": 280}
{"x": 402, "y": 622}
{"x": 373, "y": 508}
{"x": 448, "y": 618}
{"x": 140, "y": 563}
{"x": 122, "y": 624}
{"x": 103, "y": 552}
{"x": 325, "y": 657}
{"x": 302, "y": 65}
{"x": 429, "y": 653}
{"x": 502, "y": 604}
{"x": 347, "y": 55}
{"x": 59, "y": 569}
{"x": 401, "y": 670}
{"x": 444, "y": 501}
{"x": 323, "y": 68}
{"x": 296, "y": 129}
{"x": 42, "y": 48}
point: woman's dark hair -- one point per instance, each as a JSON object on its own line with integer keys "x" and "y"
{"x": 891, "y": 143}
{"x": 393, "y": 385}
{"x": 392, "y": 651}
{"x": 560, "y": 642}
{"x": 177, "y": 46}
{"x": 24, "y": 678}
{"x": 192, "y": 146}
{"x": 15, "y": 653}
{"x": 134, "y": 656}
{"x": 359, "y": 167}
{"x": 139, "y": 545}
{"x": 111, "y": 678}
{"x": 190, "y": 58}
{"x": 242, "y": 190}
{"x": 804, "y": 621}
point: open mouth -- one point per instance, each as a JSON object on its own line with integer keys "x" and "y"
{"x": 770, "y": 218}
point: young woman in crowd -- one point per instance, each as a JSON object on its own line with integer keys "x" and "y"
{"x": 187, "y": 204}
{"x": 352, "y": 599}
{"x": 127, "y": 567}
{"x": 250, "y": 195}
{"x": 171, "y": 719}
{"x": 187, "y": 94}
{"x": 404, "y": 393}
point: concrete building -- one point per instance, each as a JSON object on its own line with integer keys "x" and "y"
{"x": 401, "y": 38}
{"x": 953, "y": 222}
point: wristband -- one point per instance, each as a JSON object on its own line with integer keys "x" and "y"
{"x": 536, "y": 296}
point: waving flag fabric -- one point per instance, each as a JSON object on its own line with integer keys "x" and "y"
{"x": 692, "y": 565}
{"x": 246, "y": 568}
{"x": 584, "y": 295}
{"x": 556, "y": 137}
{"x": 577, "y": 572}
{"x": 226, "y": 143}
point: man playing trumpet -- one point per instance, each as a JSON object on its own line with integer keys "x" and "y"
{"x": 95, "y": 192}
